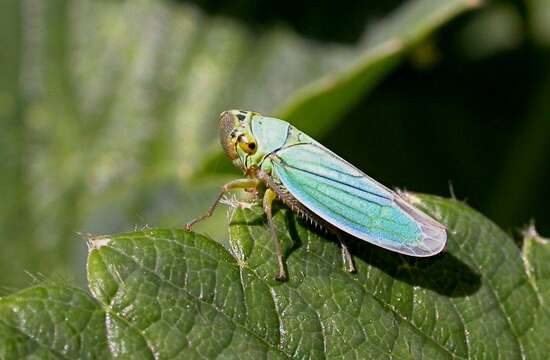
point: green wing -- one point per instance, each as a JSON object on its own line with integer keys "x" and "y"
{"x": 348, "y": 199}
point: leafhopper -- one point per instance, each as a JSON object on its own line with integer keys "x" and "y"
{"x": 322, "y": 187}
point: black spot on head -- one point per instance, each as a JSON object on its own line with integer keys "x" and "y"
{"x": 240, "y": 117}
{"x": 252, "y": 146}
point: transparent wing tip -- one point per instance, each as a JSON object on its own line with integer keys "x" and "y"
{"x": 434, "y": 240}
{"x": 434, "y": 234}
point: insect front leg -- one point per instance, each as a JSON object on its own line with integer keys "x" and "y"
{"x": 232, "y": 185}
{"x": 269, "y": 196}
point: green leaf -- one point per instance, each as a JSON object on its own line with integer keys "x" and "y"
{"x": 539, "y": 13}
{"x": 108, "y": 107}
{"x": 170, "y": 293}
{"x": 315, "y": 107}
{"x": 52, "y": 321}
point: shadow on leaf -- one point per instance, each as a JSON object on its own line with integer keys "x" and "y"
{"x": 443, "y": 273}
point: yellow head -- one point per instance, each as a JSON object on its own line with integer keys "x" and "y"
{"x": 235, "y": 135}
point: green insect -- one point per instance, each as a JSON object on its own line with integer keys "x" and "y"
{"x": 319, "y": 185}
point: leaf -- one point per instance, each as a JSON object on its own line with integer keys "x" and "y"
{"x": 539, "y": 14}
{"x": 315, "y": 107}
{"x": 109, "y": 107}
{"x": 321, "y": 103}
{"x": 170, "y": 293}
{"x": 52, "y": 321}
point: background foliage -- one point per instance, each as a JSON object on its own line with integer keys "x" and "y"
{"x": 108, "y": 116}
{"x": 108, "y": 109}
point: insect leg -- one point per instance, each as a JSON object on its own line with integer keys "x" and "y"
{"x": 269, "y": 196}
{"x": 347, "y": 260}
{"x": 235, "y": 184}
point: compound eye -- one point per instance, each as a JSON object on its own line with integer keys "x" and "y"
{"x": 247, "y": 144}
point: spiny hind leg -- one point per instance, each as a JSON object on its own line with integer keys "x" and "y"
{"x": 347, "y": 260}
{"x": 269, "y": 197}
{"x": 232, "y": 185}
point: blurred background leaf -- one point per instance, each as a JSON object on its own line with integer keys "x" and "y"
{"x": 108, "y": 108}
